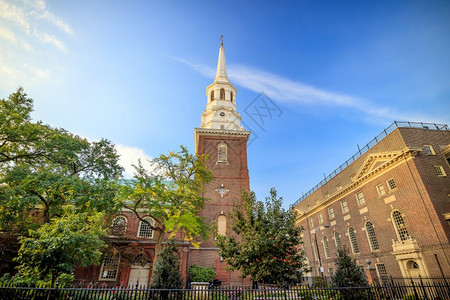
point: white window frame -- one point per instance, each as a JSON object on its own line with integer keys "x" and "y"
{"x": 326, "y": 248}
{"x": 311, "y": 223}
{"x": 440, "y": 171}
{"x": 400, "y": 228}
{"x": 114, "y": 260}
{"x": 345, "y": 209}
{"x": 222, "y": 152}
{"x": 389, "y": 185}
{"x": 380, "y": 189}
{"x": 331, "y": 213}
{"x": 141, "y": 223}
{"x": 337, "y": 240}
{"x": 360, "y": 199}
{"x": 428, "y": 149}
{"x": 320, "y": 218}
{"x": 372, "y": 237}
{"x": 353, "y": 240}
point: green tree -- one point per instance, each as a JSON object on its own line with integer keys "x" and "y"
{"x": 57, "y": 247}
{"x": 46, "y": 168}
{"x": 167, "y": 274}
{"x": 348, "y": 274}
{"x": 266, "y": 244}
{"x": 171, "y": 194}
{"x": 201, "y": 274}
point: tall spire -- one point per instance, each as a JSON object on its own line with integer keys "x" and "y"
{"x": 221, "y": 74}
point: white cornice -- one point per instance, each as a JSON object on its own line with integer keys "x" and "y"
{"x": 407, "y": 153}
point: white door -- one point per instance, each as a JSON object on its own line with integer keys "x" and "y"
{"x": 139, "y": 274}
{"x": 140, "y": 271}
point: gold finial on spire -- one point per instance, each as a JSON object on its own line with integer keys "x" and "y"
{"x": 221, "y": 39}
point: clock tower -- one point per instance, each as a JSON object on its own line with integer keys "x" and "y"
{"x": 223, "y": 139}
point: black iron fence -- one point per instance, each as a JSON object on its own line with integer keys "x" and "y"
{"x": 414, "y": 290}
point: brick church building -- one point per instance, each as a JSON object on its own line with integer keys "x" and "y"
{"x": 222, "y": 138}
{"x": 389, "y": 204}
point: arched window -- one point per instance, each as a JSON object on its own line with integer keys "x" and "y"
{"x": 371, "y": 236}
{"x": 231, "y": 97}
{"x": 221, "y": 225}
{"x": 141, "y": 260}
{"x": 145, "y": 230}
{"x": 118, "y": 225}
{"x": 211, "y": 97}
{"x": 325, "y": 247}
{"x": 222, "y": 94}
{"x": 399, "y": 225}
{"x": 110, "y": 267}
{"x": 222, "y": 152}
{"x": 337, "y": 240}
{"x": 353, "y": 242}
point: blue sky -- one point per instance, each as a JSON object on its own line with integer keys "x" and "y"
{"x": 135, "y": 72}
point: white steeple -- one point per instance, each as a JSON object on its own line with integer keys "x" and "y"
{"x": 220, "y": 110}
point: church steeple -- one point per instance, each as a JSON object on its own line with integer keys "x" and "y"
{"x": 220, "y": 110}
{"x": 221, "y": 74}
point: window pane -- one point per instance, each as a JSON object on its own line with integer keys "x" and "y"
{"x": 371, "y": 236}
{"x": 352, "y": 236}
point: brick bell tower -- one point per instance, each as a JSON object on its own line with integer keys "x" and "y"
{"x": 224, "y": 140}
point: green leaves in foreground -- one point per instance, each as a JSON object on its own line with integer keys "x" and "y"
{"x": 267, "y": 243}
{"x": 56, "y": 248}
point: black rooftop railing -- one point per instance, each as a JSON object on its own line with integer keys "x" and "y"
{"x": 361, "y": 151}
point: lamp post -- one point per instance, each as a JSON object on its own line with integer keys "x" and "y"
{"x": 317, "y": 248}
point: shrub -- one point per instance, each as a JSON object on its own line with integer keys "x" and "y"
{"x": 201, "y": 274}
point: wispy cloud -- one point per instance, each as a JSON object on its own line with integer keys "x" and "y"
{"x": 284, "y": 90}
{"x": 42, "y": 74}
{"x": 15, "y": 14}
{"x": 53, "y": 40}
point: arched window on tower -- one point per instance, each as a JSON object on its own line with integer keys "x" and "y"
{"x": 399, "y": 224}
{"x": 371, "y": 236}
{"x": 222, "y": 94}
{"x": 231, "y": 97}
{"x": 211, "y": 97}
{"x": 221, "y": 225}
{"x": 222, "y": 152}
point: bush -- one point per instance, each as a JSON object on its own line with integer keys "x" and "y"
{"x": 201, "y": 274}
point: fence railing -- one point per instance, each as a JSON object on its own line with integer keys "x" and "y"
{"x": 413, "y": 290}
{"x": 361, "y": 151}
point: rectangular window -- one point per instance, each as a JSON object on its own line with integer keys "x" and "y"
{"x": 382, "y": 273}
{"x": 344, "y": 207}
{"x": 330, "y": 271}
{"x": 440, "y": 171}
{"x": 428, "y": 150}
{"x": 320, "y": 217}
{"x": 311, "y": 223}
{"x": 391, "y": 184}
{"x": 360, "y": 198}
{"x": 380, "y": 190}
{"x": 331, "y": 213}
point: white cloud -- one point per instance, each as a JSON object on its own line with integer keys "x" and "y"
{"x": 8, "y": 35}
{"x": 130, "y": 156}
{"x": 284, "y": 90}
{"x": 53, "y": 40}
{"x": 15, "y": 14}
{"x": 42, "y": 74}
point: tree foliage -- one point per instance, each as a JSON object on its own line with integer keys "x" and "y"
{"x": 167, "y": 274}
{"x": 171, "y": 194}
{"x": 57, "y": 247}
{"x": 266, "y": 243}
{"x": 347, "y": 271}
{"x": 46, "y": 168}
{"x": 201, "y": 274}
{"x": 42, "y": 170}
